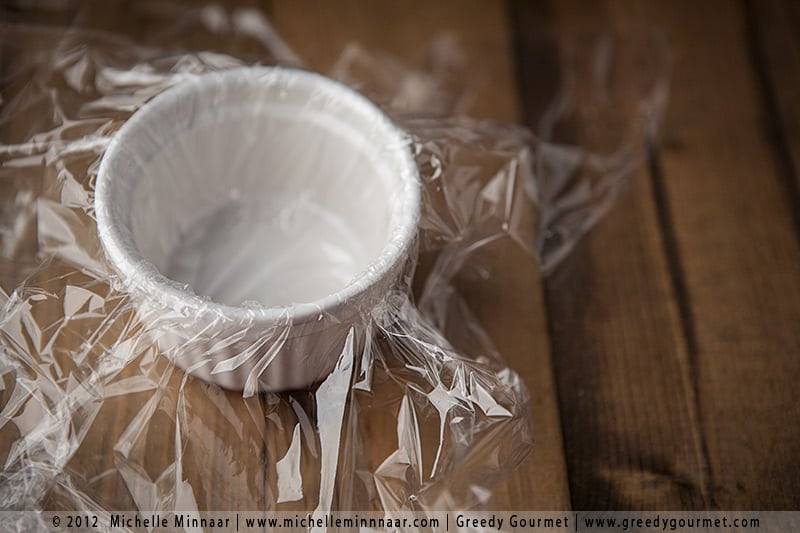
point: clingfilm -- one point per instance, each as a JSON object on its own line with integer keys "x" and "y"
{"x": 110, "y": 399}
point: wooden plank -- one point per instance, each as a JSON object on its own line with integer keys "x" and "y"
{"x": 509, "y": 305}
{"x": 775, "y": 28}
{"x": 220, "y": 451}
{"x": 157, "y": 434}
{"x": 120, "y": 464}
{"x": 738, "y": 251}
{"x": 628, "y": 411}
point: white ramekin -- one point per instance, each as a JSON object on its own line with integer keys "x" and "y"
{"x": 257, "y": 216}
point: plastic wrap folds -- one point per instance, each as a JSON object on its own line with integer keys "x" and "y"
{"x": 168, "y": 338}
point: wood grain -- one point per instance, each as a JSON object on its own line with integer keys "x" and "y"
{"x": 628, "y": 412}
{"x": 120, "y": 464}
{"x": 738, "y": 253}
{"x": 774, "y": 30}
{"x": 666, "y": 346}
{"x": 509, "y": 304}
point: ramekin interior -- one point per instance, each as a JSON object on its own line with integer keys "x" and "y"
{"x": 257, "y": 193}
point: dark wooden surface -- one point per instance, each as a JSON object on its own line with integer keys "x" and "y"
{"x": 663, "y": 356}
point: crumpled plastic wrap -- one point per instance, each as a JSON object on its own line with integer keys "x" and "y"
{"x": 416, "y": 409}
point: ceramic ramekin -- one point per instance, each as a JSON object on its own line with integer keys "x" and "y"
{"x": 257, "y": 216}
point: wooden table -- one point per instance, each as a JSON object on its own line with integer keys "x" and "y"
{"x": 663, "y": 356}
